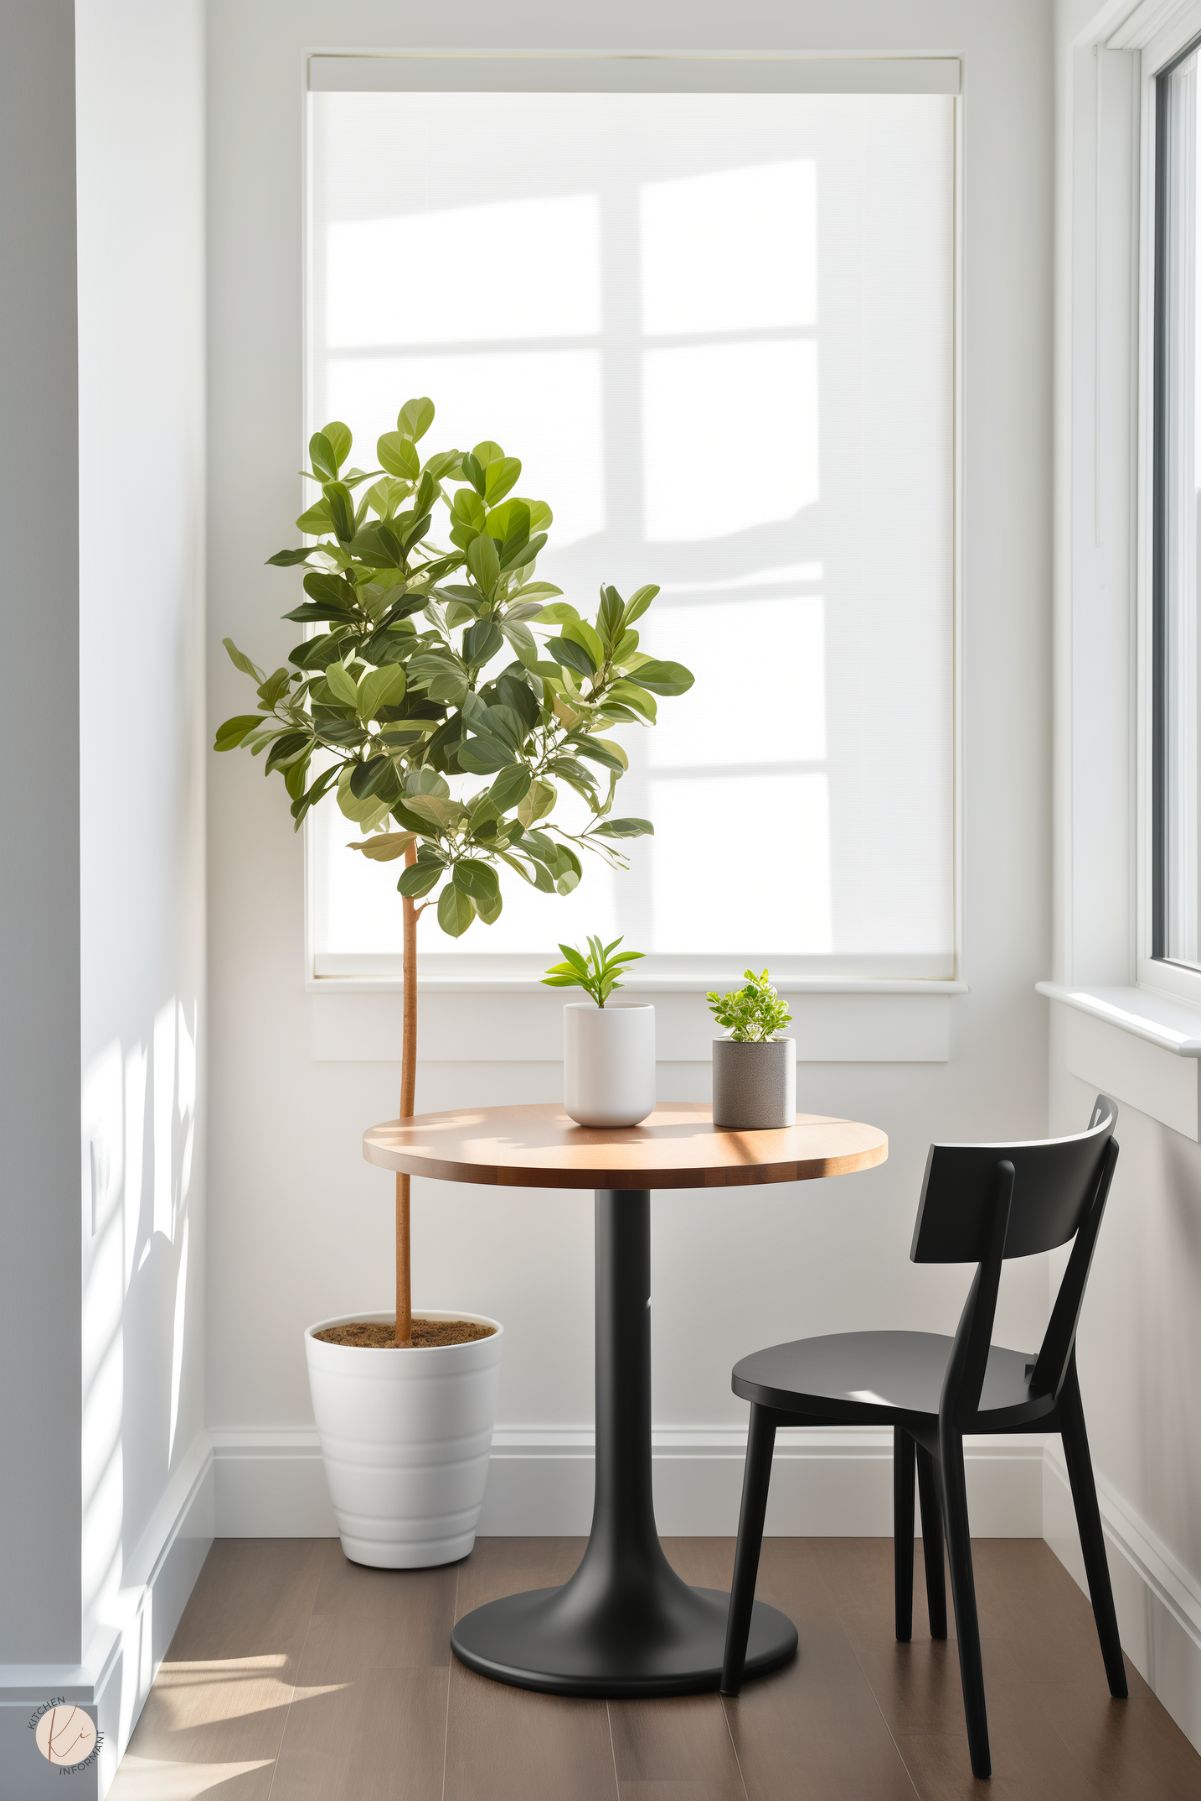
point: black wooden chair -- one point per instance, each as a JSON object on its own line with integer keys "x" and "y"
{"x": 980, "y": 1204}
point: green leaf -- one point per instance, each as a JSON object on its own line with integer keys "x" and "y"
{"x": 331, "y": 591}
{"x": 286, "y": 748}
{"x": 483, "y": 560}
{"x": 570, "y": 655}
{"x": 499, "y": 476}
{"x": 234, "y": 730}
{"x": 469, "y": 509}
{"x": 510, "y": 787}
{"x": 476, "y": 879}
{"x": 399, "y": 455}
{"x": 455, "y": 910}
{"x": 611, "y": 615}
{"x": 484, "y": 755}
{"x": 482, "y": 640}
{"x": 445, "y": 464}
{"x": 559, "y": 612}
{"x": 339, "y": 438}
{"x": 521, "y": 553}
{"x": 387, "y": 495}
{"x": 287, "y": 559}
{"x": 316, "y": 519}
{"x": 638, "y": 602}
{"x": 241, "y": 661}
{"x": 578, "y": 631}
{"x": 415, "y": 417}
{"x": 623, "y": 828}
{"x": 380, "y": 688}
{"x": 275, "y": 687}
{"x": 489, "y": 908}
{"x": 603, "y": 751}
{"x": 419, "y": 878}
{"x": 341, "y": 509}
{"x": 662, "y": 678}
{"x": 538, "y": 802}
{"x": 437, "y": 809}
{"x": 372, "y": 777}
{"x": 383, "y": 847}
{"x": 379, "y": 544}
{"x": 323, "y": 457}
{"x": 343, "y": 684}
{"x": 474, "y": 472}
{"x": 630, "y": 695}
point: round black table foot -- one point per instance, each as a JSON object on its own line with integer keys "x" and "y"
{"x": 545, "y": 1640}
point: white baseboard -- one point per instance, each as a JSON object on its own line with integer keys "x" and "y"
{"x": 825, "y": 1484}
{"x": 1158, "y": 1601}
{"x": 115, "y": 1677}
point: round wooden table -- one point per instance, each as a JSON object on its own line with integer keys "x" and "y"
{"x": 625, "y": 1624}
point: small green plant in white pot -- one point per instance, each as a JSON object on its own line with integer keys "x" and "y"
{"x": 447, "y": 703}
{"x": 608, "y": 1045}
{"x": 754, "y": 1068}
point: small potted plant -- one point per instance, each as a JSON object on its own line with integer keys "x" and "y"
{"x": 754, "y": 1068}
{"x": 608, "y": 1050}
{"x": 444, "y": 700}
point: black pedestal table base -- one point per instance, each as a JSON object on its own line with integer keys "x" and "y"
{"x": 625, "y": 1624}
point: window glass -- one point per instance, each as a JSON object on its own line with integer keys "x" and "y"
{"x": 718, "y": 330}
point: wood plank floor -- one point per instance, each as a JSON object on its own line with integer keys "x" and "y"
{"x": 296, "y": 1676}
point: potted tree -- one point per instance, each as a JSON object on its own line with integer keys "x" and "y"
{"x": 444, "y": 699}
{"x": 754, "y": 1068}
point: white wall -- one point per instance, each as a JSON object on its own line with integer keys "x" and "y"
{"x": 1140, "y": 1335}
{"x": 39, "y": 897}
{"x": 299, "y": 1227}
{"x": 142, "y": 775}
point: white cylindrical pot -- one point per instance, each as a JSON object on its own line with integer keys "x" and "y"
{"x": 754, "y": 1085}
{"x": 608, "y": 1063}
{"x": 405, "y": 1436}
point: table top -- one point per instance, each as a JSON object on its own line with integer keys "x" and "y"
{"x": 677, "y": 1147}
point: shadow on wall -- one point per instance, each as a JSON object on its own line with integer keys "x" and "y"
{"x": 139, "y": 1149}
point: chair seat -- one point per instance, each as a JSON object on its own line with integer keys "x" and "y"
{"x": 876, "y": 1375}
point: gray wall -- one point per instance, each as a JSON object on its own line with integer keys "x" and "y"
{"x": 39, "y": 806}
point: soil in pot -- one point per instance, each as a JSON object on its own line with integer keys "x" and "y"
{"x": 378, "y": 1335}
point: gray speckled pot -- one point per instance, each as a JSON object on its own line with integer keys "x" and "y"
{"x": 754, "y": 1085}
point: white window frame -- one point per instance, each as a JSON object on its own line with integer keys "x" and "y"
{"x": 1144, "y": 1013}
{"x": 671, "y": 72}
{"x": 1160, "y": 974}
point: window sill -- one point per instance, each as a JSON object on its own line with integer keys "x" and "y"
{"x": 1141, "y": 1047}
{"x": 358, "y": 1021}
{"x": 1172, "y": 1024}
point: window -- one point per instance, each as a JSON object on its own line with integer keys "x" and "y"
{"x": 1176, "y": 497}
{"x": 718, "y": 328}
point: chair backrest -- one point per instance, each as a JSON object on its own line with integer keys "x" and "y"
{"x": 984, "y": 1204}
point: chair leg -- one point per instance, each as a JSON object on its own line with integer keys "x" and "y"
{"x": 1092, "y": 1538}
{"x": 932, "y": 1543}
{"x": 963, "y": 1592}
{"x": 756, "y": 1477}
{"x": 902, "y": 1531}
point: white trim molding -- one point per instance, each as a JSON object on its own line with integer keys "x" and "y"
{"x": 362, "y": 1025}
{"x": 115, "y": 1677}
{"x": 1158, "y": 1601}
{"x": 270, "y": 1484}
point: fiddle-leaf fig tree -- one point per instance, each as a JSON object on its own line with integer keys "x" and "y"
{"x": 443, "y": 697}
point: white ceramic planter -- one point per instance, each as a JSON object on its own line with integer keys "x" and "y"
{"x": 608, "y": 1063}
{"x": 405, "y": 1436}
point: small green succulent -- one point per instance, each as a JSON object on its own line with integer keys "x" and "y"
{"x": 752, "y": 1014}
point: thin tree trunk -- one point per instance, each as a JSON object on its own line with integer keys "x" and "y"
{"x": 408, "y": 1090}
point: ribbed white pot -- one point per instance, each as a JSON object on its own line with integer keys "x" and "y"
{"x": 405, "y": 1436}
{"x": 608, "y": 1063}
